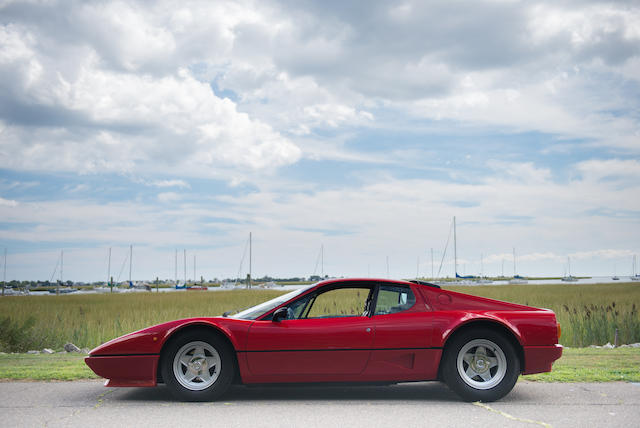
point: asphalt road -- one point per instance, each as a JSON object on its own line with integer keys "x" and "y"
{"x": 88, "y": 403}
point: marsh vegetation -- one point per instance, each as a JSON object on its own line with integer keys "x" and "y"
{"x": 589, "y": 313}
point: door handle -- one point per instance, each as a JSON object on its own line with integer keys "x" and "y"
{"x": 368, "y": 330}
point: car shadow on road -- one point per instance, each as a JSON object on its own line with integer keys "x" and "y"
{"x": 419, "y": 391}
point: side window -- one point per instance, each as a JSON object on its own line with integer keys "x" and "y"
{"x": 392, "y": 299}
{"x": 296, "y": 308}
{"x": 341, "y": 302}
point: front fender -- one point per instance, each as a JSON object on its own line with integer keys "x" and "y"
{"x": 151, "y": 340}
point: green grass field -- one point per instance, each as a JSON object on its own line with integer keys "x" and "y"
{"x": 576, "y": 365}
{"x": 593, "y": 365}
{"x": 44, "y": 367}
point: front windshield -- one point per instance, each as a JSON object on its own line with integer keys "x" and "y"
{"x": 261, "y": 309}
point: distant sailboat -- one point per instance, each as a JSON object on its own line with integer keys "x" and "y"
{"x": 10, "y": 291}
{"x": 517, "y": 279}
{"x": 615, "y": 277}
{"x": 460, "y": 279}
{"x": 184, "y": 284}
{"x": 227, "y": 284}
{"x": 269, "y": 284}
{"x": 320, "y": 261}
{"x": 195, "y": 286}
{"x": 4, "y": 274}
{"x": 110, "y": 284}
{"x": 248, "y": 245}
{"x": 483, "y": 279}
{"x": 635, "y": 276}
{"x": 140, "y": 285}
{"x": 569, "y": 278}
{"x": 63, "y": 289}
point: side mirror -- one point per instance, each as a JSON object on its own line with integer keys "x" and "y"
{"x": 280, "y": 314}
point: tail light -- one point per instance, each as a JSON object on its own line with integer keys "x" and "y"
{"x": 559, "y": 331}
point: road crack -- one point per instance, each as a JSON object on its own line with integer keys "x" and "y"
{"x": 508, "y": 416}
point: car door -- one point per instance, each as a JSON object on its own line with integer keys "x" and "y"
{"x": 402, "y": 347}
{"x": 328, "y": 333}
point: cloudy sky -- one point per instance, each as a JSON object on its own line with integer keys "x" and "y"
{"x": 360, "y": 126}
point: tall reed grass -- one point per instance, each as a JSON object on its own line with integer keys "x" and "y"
{"x": 589, "y": 313}
{"x": 35, "y": 322}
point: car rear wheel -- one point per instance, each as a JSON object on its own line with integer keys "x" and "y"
{"x": 480, "y": 365}
{"x": 197, "y": 366}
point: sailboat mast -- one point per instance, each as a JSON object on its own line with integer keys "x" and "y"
{"x": 455, "y": 248}
{"x": 514, "y": 262}
{"x": 4, "y": 272}
{"x": 250, "y": 257}
{"x": 322, "y": 261}
{"x": 185, "y": 266}
{"x": 387, "y": 267}
{"x": 130, "y": 262}
{"x": 176, "y": 266}
{"x": 194, "y": 268}
{"x": 109, "y": 271}
{"x": 58, "y": 284}
{"x": 432, "y": 263}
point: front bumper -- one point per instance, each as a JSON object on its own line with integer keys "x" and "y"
{"x": 125, "y": 370}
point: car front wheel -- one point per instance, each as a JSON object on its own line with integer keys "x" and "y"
{"x": 480, "y": 365}
{"x": 197, "y": 366}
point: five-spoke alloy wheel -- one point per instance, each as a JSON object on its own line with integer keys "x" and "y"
{"x": 480, "y": 364}
{"x": 197, "y": 365}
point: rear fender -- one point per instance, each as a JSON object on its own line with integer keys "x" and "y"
{"x": 443, "y": 335}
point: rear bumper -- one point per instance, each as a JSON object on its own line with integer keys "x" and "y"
{"x": 539, "y": 359}
{"x": 125, "y": 370}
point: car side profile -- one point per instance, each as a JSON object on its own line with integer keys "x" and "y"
{"x": 345, "y": 330}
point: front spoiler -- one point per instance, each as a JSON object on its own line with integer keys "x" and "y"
{"x": 125, "y": 370}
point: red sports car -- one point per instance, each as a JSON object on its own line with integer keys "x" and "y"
{"x": 345, "y": 330}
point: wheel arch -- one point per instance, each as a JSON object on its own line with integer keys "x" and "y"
{"x": 210, "y": 328}
{"x": 508, "y": 333}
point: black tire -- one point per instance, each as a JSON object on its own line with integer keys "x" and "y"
{"x": 480, "y": 380}
{"x": 220, "y": 368}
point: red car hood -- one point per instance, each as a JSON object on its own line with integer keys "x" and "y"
{"x": 151, "y": 339}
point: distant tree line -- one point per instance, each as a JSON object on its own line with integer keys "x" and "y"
{"x": 35, "y": 284}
